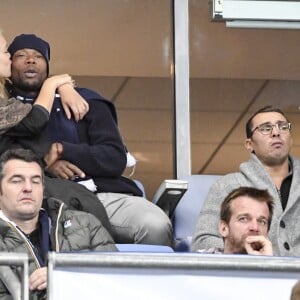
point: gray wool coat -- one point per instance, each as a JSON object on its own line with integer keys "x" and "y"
{"x": 285, "y": 227}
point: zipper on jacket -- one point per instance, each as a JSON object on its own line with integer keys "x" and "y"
{"x": 56, "y": 229}
{"x": 28, "y": 245}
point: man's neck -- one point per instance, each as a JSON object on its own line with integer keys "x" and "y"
{"x": 26, "y": 94}
{"x": 28, "y": 226}
{"x": 232, "y": 250}
{"x": 278, "y": 173}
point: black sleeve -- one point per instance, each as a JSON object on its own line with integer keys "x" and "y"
{"x": 32, "y": 124}
{"x": 30, "y": 133}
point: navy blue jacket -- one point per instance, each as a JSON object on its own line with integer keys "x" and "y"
{"x": 94, "y": 144}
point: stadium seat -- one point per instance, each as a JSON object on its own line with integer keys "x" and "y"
{"x": 143, "y": 248}
{"x": 185, "y": 216}
{"x": 141, "y": 187}
{"x": 188, "y": 209}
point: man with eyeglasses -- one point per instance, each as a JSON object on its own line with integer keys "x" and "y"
{"x": 270, "y": 168}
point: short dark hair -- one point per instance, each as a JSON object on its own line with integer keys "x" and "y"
{"x": 257, "y": 194}
{"x": 21, "y": 154}
{"x": 265, "y": 109}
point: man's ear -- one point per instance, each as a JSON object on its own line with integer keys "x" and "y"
{"x": 248, "y": 144}
{"x": 223, "y": 229}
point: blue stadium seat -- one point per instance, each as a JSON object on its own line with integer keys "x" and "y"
{"x": 141, "y": 187}
{"x": 143, "y": 248}
{"x": 188, "y": 209}
{"x": 185, "y": 215}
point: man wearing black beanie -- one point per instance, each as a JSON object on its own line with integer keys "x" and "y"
{"x": 91, "y": 151}
{"x": 31, "y": 41}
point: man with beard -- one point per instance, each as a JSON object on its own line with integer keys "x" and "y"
{"x": 245, "y": 219}
{"x": 270, "y": 168}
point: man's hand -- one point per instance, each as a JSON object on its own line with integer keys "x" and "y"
{"x": 72, "y": 101}
{"x": 258, "y": 245}
{"x": 65, "y": 169}
{"x": 38, "y": 279}
{"x": 53, "y": 154}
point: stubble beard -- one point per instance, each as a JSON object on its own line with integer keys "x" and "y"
{"x": 238, "y": 245}
{"x": 30, "y": 86}
{"x": 277, "y": 160}
{"x": 27, "y": 86}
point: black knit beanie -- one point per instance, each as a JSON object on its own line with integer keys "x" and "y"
{"x": 30, "y": 41}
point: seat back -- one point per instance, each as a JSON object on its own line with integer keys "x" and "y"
{"x": 141, "y": 187}
{"x": 188, "y": 209}
{"x": 143, "y": 248}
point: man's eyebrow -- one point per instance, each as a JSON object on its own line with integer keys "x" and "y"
{"x": 263, "y": 217}
{"x": 269, "y": 122}
{"x": 243, "y": 214}
{"x": 16, "y": 175}
{"x": 265, "y": 123}
{"x": 22, "y": 176}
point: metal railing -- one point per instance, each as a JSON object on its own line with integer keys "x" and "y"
{"x": 18, "y": 289}
{"x": 164, "y": 268}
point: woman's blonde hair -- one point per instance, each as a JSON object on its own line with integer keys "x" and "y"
{"x": 3, "y": 92}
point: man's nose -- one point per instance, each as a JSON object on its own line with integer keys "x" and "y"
{"x": 275, "y": 131}
{"x": 27, "y": 186}
{"x": 254, "y": 225}
{"x": 30, "y": 59}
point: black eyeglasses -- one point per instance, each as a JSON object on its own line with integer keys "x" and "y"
{"x": 267, "y": 128}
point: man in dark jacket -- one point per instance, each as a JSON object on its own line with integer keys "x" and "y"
{"x": 90, "y": 150}
{"x": 25, "y": 225}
